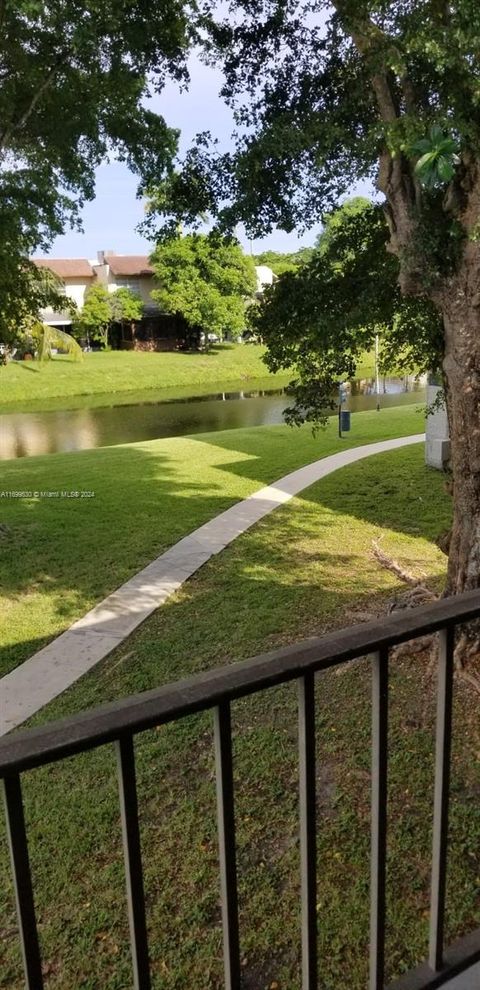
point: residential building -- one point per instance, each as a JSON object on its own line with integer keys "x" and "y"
{"x": 265, "y": 277}
{"x": 77, "y": 275}
{"x": 157, "y": 330}
{"x": 127, "y": 271}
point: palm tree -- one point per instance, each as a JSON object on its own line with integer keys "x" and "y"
{"x": 51, "y": 337}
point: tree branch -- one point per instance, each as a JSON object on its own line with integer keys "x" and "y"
{"x": 364, "y": 33}
{"x": 37, "y": 96}
{"x": 409, "y": 93}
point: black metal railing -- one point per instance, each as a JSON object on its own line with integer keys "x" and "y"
{"x": 119, "y": 722}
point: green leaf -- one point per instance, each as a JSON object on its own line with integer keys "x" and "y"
{"x": 421, "y": 147}
{"x": 426, "y": 162}
{"x": 54, "y": 337}
{"x": 436, "y": 134}
{"x": 445, "y": 169}
{"x": 448, "y": 146}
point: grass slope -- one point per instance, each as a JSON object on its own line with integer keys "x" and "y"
{"x": 60, "y": 555}
{"x": 125, "y": 374}
{"x": 125, "y": 371}
{"x": 306, "y": 568}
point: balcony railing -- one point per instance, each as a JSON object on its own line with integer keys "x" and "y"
{"x": 119, "y": 722}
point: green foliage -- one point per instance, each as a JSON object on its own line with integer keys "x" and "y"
{"x": 102, "y": 308}
{"x": 321, "y": 318}
{"x": 281, "y": 262}
{"x": 322, "y": 92}
{"x": 353, "y": 217}
{"x": 24, "y": 291}
{"x": 125, "y": 306}
{"x": 53, "y": 337}
{"x": 74, "y": 78}
{"x": 438, "y": 158}
{"x": 96, "y": 315}
{"x": 205, "y": 279}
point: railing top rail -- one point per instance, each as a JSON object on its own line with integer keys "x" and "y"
{"x": 56, "y": 740}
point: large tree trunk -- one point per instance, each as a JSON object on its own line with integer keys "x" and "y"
{"x": 457, "y": 297}
{"x": 460, "y": 304}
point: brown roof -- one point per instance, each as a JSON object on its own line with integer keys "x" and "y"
{"x": 129, "y": 264}
{"x": 66, "y": 267}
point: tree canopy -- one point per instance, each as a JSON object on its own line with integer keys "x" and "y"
{"x": 320, "y": 318}
{"x": 207, "y": 280}
{"x": 24, "y": 291}
{"x": 101, "y": 308}
{"x": 125, "y": 306}
{"x": 321, "y": 92}
{"x": 95, "y": 317}
{"x": 333, "y": 92}
{"x": 286, "y": 261}
{"x": 74, "y": 80}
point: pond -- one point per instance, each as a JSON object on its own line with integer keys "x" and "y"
{"x": 24, "y": 434}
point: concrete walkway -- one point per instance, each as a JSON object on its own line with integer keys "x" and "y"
{"x": 466, "y": 981}
{"x": 50, "y": 671}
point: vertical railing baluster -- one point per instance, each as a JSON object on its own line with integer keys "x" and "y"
{"x": 308, "y": 831}
{"x": 379, "y": 818}
{"x": 133, "y": 862}
{"x": 22, "y": 879}
{"x": 441, "y": 797}
{"x": 226, "y": 838}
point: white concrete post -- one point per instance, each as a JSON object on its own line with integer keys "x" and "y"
{"x": 437, "y": 446}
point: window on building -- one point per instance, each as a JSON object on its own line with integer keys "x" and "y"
{"x": 128, "y": 282}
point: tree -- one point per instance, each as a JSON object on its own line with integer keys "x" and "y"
{"x": 74, "y": 77}
{"x": 95, "y": 316}
{"x": 320, "y": 318}
{"x": 24, "y": 291}
{"x": 284, "y": 262}
{"x": 333, "y": 93}
{"x": 205, "y": 279}
{"x": 52, "y": 337}
{"x": 125, "y": 306}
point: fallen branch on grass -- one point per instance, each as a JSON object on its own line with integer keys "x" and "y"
{"x": 466, "y": 650}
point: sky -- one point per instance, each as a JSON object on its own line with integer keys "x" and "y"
{"x": 109, "y": 221}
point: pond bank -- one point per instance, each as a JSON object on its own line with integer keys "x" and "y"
{"x": 31, "y": 433}
{"x": 113, "y": 373}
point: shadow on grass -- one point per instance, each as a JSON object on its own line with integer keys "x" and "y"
{"x": 74, "y": 551}
{"x": 394, "y": 489}
{"x": 29, "y": 366}
{"x": 301, "y": 571}
{"x": 75, "y": 841}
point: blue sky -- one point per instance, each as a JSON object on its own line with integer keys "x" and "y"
{"x": 109, "y": 221}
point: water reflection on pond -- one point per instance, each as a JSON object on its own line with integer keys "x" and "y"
{"x": 26, "y": 434}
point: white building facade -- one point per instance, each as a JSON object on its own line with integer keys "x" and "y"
{"x": 115, "y": 271}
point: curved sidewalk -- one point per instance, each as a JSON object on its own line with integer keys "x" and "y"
{"x": 50, "y": 671}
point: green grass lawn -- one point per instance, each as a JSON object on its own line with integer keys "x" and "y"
{"x": 115, "y": 372}
{"x": 59, "y": 556}
{"x": 305, "y": 569}
{"x": 62, "y": 382}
